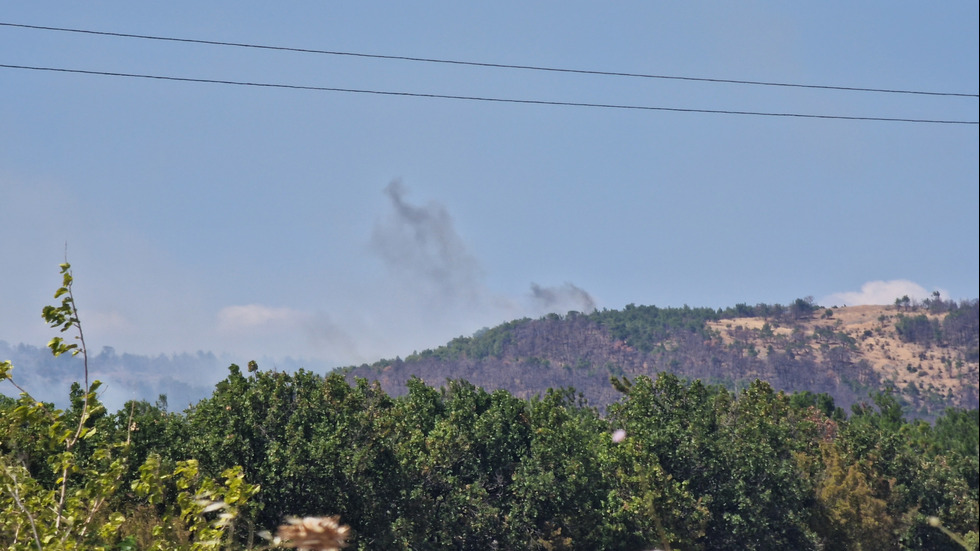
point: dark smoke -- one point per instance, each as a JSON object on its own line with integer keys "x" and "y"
{"x": 562, "y": 299}
{"x": 430, "y": 263}
{"x": 419, "y": 244}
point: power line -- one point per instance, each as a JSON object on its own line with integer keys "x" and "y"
{"x": 479, "y": 98}
{"x": 493, "y": 65}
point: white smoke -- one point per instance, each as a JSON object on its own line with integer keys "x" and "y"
{"x": 880, "y": 293}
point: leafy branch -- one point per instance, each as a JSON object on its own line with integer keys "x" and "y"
{"x": 65, "y": 318}
{"x": 80, "y": 506}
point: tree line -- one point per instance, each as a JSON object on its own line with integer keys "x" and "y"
{"x": 674, "y": 464}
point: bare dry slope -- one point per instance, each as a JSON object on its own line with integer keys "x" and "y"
{"x": 912, "y": 368}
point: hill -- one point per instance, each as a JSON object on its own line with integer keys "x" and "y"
{"x": 926, "y": 354}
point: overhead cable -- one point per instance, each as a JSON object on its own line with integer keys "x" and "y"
{"x": 491, "y": 65}
{"x": 479, "y": 98}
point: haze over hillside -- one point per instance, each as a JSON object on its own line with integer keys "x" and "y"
{"x": 184, "y": 378}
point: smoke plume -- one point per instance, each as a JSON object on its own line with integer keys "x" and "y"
{"x": 562, "y": 299}
{"x": 421, "y": 247}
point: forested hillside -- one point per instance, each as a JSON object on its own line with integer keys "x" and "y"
{"x": 926, "y": 353}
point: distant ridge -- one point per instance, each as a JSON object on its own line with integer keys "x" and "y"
{"x": 926, "y": 354}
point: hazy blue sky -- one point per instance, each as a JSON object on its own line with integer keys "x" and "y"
{"x": 346, "y": 227}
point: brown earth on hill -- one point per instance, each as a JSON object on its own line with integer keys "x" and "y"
{"x": 940, "y": 369}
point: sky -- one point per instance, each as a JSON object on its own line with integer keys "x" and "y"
{"x": 346, "y": 227}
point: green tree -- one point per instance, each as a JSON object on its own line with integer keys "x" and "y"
{"x": 560, "y": 487}
{"x": 849, "y": 515}
{"x": 308, "y": 441}
{"x": 733, "y": 453}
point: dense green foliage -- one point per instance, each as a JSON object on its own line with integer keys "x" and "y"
{"x": 647, "y": 327}
{"x": 461, "y": 468}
